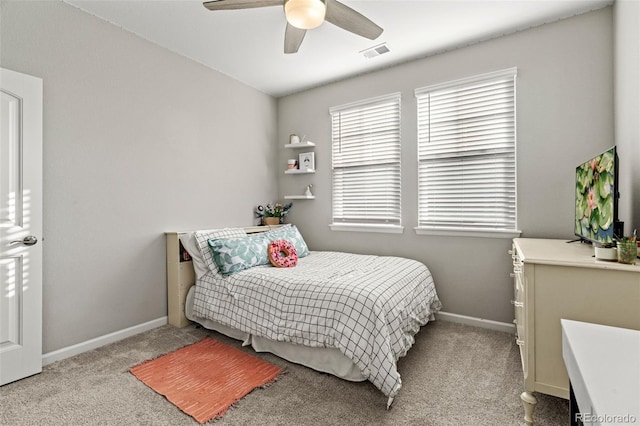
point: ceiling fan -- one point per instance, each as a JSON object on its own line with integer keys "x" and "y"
{"x": 303, "y": 15}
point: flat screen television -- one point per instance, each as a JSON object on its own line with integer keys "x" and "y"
{"x": 596, "y": 218}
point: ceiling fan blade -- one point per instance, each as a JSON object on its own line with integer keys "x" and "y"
{"x": 240, "y": 4}
{"x": 348, "y": 19}
{"x": 293, "y": 38}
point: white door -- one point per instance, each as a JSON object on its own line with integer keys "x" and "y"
{"x": 20, "y": 226}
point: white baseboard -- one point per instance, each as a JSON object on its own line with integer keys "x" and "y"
{"x": 89, "y": 345}
{"x": 476, "y": 322}
{"x": 97, "y": 342}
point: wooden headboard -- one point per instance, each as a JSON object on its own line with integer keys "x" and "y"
{"x": 181, "y": 276}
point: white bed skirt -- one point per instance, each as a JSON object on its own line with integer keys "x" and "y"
{"x": 326, "y": 360}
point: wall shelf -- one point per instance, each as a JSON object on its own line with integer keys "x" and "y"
{"x": 299, "y": 197}
{"x": 297, "y": 172}
{"x": 305, "y": 144}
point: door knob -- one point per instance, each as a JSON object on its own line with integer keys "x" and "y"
{"x": 29, "y": 240}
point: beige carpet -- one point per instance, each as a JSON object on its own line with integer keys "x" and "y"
{"x": 454, "y": 375}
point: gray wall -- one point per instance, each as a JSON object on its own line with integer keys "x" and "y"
{"x": 565, "y": 116}
{"x": 627, "y": 108}
{"x": 137, "y": 141}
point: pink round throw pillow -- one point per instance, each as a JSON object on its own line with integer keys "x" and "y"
{"x": 282, "y": 254}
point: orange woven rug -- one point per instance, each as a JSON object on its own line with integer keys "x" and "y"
{"x": 206, "y": 378}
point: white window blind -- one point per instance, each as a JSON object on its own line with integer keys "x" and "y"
{"x": 467, "y": 154}
{"x": 365, "y": 139}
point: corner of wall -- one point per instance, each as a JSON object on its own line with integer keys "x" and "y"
{"x": 626, "y": 16}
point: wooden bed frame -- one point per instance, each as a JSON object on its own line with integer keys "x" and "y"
{"x": 181, "y": 276}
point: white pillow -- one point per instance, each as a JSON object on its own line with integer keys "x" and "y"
{"x": 202, "y": 242}
{"x": 203, "y": 264}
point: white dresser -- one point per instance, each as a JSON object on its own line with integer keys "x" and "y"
{"x": 553, "y": 280}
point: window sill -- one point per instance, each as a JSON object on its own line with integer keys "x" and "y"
{"x": 459, "y": 232}
{"x": 351, "y": 227}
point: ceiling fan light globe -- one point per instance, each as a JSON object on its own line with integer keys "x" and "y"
{"x": 305, "y": 14}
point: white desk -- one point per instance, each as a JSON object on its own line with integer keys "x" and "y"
{"x": 604, "y": 369}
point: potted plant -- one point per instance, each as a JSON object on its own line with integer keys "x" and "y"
{"x": 272, "y": 214}
{"x": 627, "y": 249}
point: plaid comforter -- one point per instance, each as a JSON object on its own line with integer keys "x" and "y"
{"x": 368, "y": 307}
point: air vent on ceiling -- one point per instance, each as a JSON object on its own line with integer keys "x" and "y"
{"x": 374, "y": 51}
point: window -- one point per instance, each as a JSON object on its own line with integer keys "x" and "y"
{"x": 365, "y": 138}
{"x": 467, "y": 156}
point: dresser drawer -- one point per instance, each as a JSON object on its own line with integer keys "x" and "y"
{"x": 519, "y": 308}
{"x": 518, "y": 295}
{"x": 520, "y": 320}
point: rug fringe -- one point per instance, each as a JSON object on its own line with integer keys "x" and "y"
{"x": 275, "y": 379}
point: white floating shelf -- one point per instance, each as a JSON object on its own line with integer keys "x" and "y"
{"x": 297, "y": 172}
{"x": 299, "y": 197}
{"x": 306, "y": 144}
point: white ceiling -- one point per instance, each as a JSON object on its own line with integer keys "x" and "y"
{"x": 248, "y": 44}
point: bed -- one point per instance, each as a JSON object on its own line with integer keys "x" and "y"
{"x": 346, "y": 314}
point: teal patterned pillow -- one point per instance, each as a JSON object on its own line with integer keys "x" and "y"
{"x": 291, "y": 234}
{"x": 236, "y": 254}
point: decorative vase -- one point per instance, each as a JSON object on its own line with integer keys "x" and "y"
{"x": 271, "y": 220}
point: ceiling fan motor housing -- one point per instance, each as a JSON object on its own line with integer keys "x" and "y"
{"x": 305, "y": 14}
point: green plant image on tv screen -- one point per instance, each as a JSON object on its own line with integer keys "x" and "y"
{"x": 595, "y": 192}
